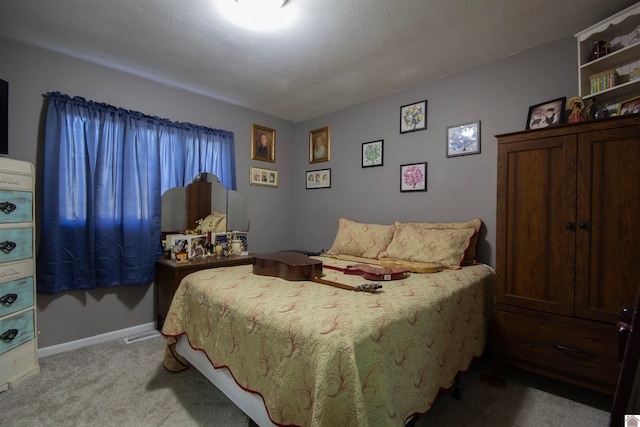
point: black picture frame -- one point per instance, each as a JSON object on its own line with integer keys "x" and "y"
{"x": 413, "y": 177}
{"x": 463, "y": 140}
{"x": 545, "y": 114}
{"x": 320, "y": 178}
{"x": 4, "y": 117}
{"x": 413, "y": 117}
{"x": 373, "y": 153}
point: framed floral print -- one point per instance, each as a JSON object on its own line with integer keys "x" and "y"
{"x": 372, "y": 153}
{"x": 463, "y": 139}
{"x": 413, "y": 117}
{"x": 413, "y": 177}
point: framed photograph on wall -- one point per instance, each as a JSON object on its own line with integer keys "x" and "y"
{"x": 262, "y": 176}
{"x": 319, "y": 145}
{"x": 263, "y": 144}
{"x": 320, "y": 178}
{"x": 629, "y": 106}
{"x": 550, "y": 113}
{"x": 372, "y": 153}
{"x": 463, "y": 140}
{"x": 413, "y": 117}
{"x": 413, "y": 177}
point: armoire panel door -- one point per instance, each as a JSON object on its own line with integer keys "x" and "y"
{"x": 608, "y": 234}
{"x": 535, "y": 246}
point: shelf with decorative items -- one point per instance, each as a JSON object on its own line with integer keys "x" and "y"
{"x": 609, "y": 59}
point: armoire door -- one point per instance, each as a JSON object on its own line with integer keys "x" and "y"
{"x": 535, "y": 236}
{"x": 608, "y": 222}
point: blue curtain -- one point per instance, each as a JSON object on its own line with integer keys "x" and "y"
{"x": 104, "y": 171}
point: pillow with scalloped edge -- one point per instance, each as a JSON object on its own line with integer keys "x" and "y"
{"x": 361, "y": 240}
{"x": 445, "y": 246}
{"x": 476, "y": 224}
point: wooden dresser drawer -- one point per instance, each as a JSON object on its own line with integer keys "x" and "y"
{"x": 16, "y": 176}
{"x": 16, "y": 295}
{"x": 16, "y": 244}
{"x": 16, "y": 330}
{"x": 582, "y": 355}
{"x": 16, "y": 206}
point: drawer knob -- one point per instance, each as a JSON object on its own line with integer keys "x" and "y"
{"x": 9, "y": 335}
{"x": 573, "y": 351}
{"x": 7, "y": 246}
{"x": 8, "y": 299}
{"x": 7, "y": 207}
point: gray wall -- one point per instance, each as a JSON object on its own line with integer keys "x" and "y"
{"x": 31, "y": 72}
{"x": 461, "y": 188}
{"x": 498, "y": 94}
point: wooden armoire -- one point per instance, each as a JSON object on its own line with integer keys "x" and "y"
{"x": 567, "y": 248}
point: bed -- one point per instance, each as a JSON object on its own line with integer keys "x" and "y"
{"x": 303, "y": 353}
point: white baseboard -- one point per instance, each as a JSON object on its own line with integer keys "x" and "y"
{"x": 113, "y": 335}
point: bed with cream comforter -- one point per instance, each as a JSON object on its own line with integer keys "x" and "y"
{"x": 324, "y": 356}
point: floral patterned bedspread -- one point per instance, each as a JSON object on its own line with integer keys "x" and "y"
{"x": 324, "y": 356}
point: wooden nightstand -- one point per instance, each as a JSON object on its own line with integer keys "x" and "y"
{"x": 170, "y": 273}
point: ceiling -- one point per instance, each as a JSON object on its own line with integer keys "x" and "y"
{"x": 335, "y": 53}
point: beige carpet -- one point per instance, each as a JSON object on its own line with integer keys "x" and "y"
{"x": 115, "y": 384}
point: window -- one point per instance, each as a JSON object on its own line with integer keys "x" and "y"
{"x": 104, "y": 171}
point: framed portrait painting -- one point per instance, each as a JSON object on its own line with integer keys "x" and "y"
{"x": 263, "y": 144}
{"x": 463, "y": 140}
{"x": 413, "y": 117}
{"x": 372, "y": 153}
{"x": 550, "y": 113}
{"x": 264, "y": 177}
{"x": 319, "y": 145}
{"x": 413, "y": 177}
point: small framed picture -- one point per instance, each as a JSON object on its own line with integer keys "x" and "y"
{"x": 372, "y": 153}
{"x": 413, "y": 177}
{"x": 630, "y": 106}
{"x": 463, "y": 140}
{"x": 550, "y": 113}
{"x": 319, "y": 145}
{"x": 320, "y": 178}
{"x": 262, "y": 176}
{"x": 413, "y": 117}
{"x": 263, "y": 144}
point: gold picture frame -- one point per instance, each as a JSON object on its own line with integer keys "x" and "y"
{"x": 319, "y": 145}
{"x": 263, "y": 176}
{"x": 629, "y": 106}
{"x": 263, "y": 144}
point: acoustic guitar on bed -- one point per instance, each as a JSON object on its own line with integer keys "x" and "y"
{"x": 295, "y": 266}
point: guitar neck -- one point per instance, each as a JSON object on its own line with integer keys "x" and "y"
{"x": 370, "y": 287}
{"x": 335, "y": 284}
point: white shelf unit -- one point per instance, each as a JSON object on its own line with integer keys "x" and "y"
{"x": 618, "y": 30}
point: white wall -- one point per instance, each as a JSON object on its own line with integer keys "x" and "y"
{"x": 290, "y": 217}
